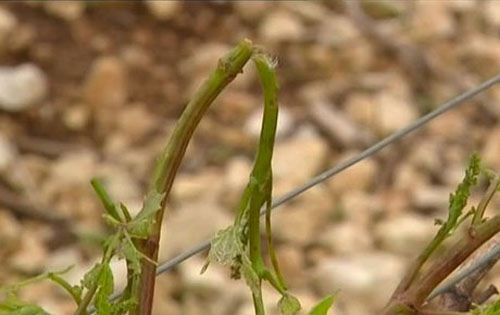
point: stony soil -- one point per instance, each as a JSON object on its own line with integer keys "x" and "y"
{"x": 94, "y": 89}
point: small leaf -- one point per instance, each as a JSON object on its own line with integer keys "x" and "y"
{"x": 226, "y": 246}
{"x": 458, "y": 200}
{"x": 122, "y": 307}
{"x": 323, "y": 306}
{"x": 14, "y": 306}
{"x": 227, "y": 249}
{"x": 78, "y": 290}
{"x": 489, "y": 309}
{"x": 106, "y": 287}
{"x": 132, "y": 255}
{"x": 152, "y": 203}
{"x": 91, "y": 276}
{"x": 289, "y": 305}
{"x": 140, "y": 226}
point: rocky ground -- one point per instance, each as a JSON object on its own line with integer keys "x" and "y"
{"x": 94, "y": 89}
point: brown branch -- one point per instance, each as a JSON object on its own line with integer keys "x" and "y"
{"x": 461, "y": 249}
{"x": 410, "y": 301}
{"x": 460, "y": 297}
{"x": 485, "y": 295}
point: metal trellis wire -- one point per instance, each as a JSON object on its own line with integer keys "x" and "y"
{"x": 169, "y": 264}
{"x": 491, "y": 255}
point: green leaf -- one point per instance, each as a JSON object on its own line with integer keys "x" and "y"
{"x": 323, "y": 306}
{"x": 140, "y": 226}
{"x": 44, "y": 276}
{"x": 78, "y": 291}
{"x": 131, "y": 254}
{"x": 458, "y": 200}
{"x": 106, "y": 287}
{"x": 289, "y": 305}
{"x": 152, "y": 203}
{"x": 14, "y": 306}
{"x": 141, "y": 229}
{"x": 122, "y": 307}
{"x": 106, "y": 200}
{"x": 91, "y": 277}
{"x": 227, "y": 249}
{"x": 489, "y": 309}
{"x": 226, "y": 246}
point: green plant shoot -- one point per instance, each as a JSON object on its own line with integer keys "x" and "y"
{"x": 489, "y": 309}
{"x": 323, "y": 306}
{"x": 457, "y": 203}
{"x": 239, "y": 246}
{"x": 135, "y": 239}
{"x": 417, "y": 285}
{"x": 13, "y": 305}
{"x": 98, "y": 283}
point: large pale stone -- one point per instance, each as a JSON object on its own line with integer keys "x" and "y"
{"x": 298, "y": 159}
{"x": 21, "y": 87}
{"x": 370, "y": 277}
{"x": 405, "y": 235}
{"x": 281, "y": 26}
{"x": 106, "y": 83}
{"x": 163, "y": 10}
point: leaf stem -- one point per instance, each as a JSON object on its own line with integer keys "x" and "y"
{"x": 106, "y": 200}
{"x": 270, "y": 247}
{"x": 66, "y": 286}
{"x": 483, "y": 204}
{"x": 168, "y": 163}
{"x": 106, "y": 258}
{"x": 269, "y": 84}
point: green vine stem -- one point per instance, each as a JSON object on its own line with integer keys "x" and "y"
{"x": 410, "y": 296}
{"x": 168, "y": 163}
{"x": 269, "y": 83}
{"x": 106, "y": 258}
{"x": 66, "y": 286}
{"x": 456, "y": 255}
{"x": 458, "y": 201}
{"x": 483, "y": 204}
{"x": 261, "y": 177}
{"x": 407, "y": 303}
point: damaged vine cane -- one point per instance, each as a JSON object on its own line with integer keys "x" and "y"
{"x": 425, "y": 275}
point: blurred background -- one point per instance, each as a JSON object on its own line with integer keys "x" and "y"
{"x": 94, "y": 88}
